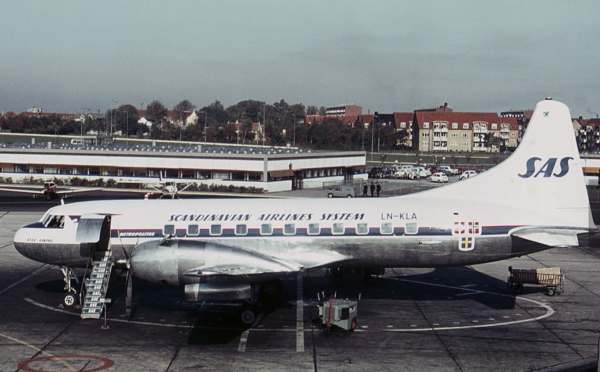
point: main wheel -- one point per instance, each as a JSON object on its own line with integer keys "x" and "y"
{"x": 69, "y": 300}
{"x": 330, "y": 195}
{"x": 248, "y": 317}
{"x": 550, "y": 291}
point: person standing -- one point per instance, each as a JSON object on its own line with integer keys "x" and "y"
{"x": 365, "y": 190}
{"x": 372, "y": 189}
{"x": 378, "y": 189}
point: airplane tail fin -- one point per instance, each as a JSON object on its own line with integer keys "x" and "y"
{"x": 544, "y": 174}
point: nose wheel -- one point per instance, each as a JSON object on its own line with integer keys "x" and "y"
{"x": 69, "y": 300}
{"x": 69, "y": 277}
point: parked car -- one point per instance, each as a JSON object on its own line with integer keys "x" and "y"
{"x": 341, "y": 191}
{"x": 439, "y": 177}
{"x": 403, "y": 171}
{"x": 467, "y": 174}
{"x": 419, "y": 172}
{"x": 448, "y": 170}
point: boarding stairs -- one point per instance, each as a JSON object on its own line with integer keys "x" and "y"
{"x": 96, "y": 286}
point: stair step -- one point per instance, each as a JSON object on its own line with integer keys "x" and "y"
{"x": 95, "y": 300}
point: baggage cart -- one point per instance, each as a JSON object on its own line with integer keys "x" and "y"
{"x": 549, "y": 277}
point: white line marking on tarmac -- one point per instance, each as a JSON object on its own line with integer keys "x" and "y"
{"x": 299, "y": 313}
{"x": 549, "y": 312}
{"x": 35, "y": 272}
{"x": 246, "y": 333}
{"x": 243, "y": 340}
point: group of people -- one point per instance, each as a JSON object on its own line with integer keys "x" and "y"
{"x": 375, "y": 189}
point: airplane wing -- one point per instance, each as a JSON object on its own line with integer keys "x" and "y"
{"x": 552, "y": 237}
{"x": 77, "y": 191}
{"x": 22, "y": 191}
{"x": 250, "y": 263}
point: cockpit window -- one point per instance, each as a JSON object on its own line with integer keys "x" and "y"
{"x": 56, "y": 222}
{"x": 46, "y": 218}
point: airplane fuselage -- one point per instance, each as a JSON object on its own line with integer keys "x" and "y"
{"x": 395, "y": 232}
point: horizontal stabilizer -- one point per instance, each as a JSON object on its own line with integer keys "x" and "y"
{"x": 549, "y": 236}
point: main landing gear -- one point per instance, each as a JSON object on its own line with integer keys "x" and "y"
{"x": 71, "y": 298}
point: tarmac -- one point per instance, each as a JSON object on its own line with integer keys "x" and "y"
{"x": 446, "y": 319}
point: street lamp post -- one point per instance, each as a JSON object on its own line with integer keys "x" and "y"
{"x": 205, "y": 128}
{"x": 127, "y": 126}
{"x": 294, "y": 132}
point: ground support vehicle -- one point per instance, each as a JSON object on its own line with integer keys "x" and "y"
{"x": 549, "y": 277}
{"x": 338, "y": 313}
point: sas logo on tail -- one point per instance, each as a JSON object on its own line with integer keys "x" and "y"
{"x": 546, "y": 169}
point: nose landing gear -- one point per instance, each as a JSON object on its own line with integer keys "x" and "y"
{"x": 71, "y": 298}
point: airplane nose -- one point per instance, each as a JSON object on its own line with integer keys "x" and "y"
{"x": 19, "y": 241}
{"x": 21, "y": 245}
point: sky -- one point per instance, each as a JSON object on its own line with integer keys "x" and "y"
{"x": 385, "y": 55}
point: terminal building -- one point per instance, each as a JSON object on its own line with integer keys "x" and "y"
{"x": 143, "y": 161}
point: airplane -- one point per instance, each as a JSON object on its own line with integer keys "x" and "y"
{"x": 232, "y": 249}
{"x": 49, "y": 191}
{"x": 161, "y": 190}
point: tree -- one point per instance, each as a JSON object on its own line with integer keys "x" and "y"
{"x": 156, "y": 112}
{"x": 126, "y": 118}
{"x": 312, "y": 110}
{"x": 183, "y": 109}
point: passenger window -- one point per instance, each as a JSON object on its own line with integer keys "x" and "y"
{"x": 362, "y": 229}
{"x": 241, "y": 229}
{"x": 387, "y": 228}
{"x": 289, "y": 229}
{"x": 338, "y": 229}
{"x": 411, "y": 228}
{"x": 169, "y": 230}
{"x": 193, "y": 230}
{"x": 215, "y": 229}
{"x": 266, "y": 229}
{"x": 314, "y": 229}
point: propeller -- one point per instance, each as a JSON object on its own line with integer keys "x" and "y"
{"x": 129, "y": 278}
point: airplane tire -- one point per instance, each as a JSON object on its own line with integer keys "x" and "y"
{"x": 69, "y": 300}
{"x": 248, "y": 316}
{"x": 330, "y": 195}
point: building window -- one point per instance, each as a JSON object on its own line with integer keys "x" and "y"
{"x": 465, "y": 125}
{"x": 215, "y": 229}
{"x": 387, "y": 228}
{"x": 193, "y": 230}
{"x": 425, "y": 125}
{"x": 494, "y": 126}
{"x": 289, "y": 229}
{"x": 266, "y": 229}
{"x": 411, "y": 228}
{"x": 314, "y": 229}
{"x": 169, "y": 230}
{"x": 338, "y": 229}
{"x": 403, "y": 124}
{"x": 362, "y": 229}
{"x": 241, "y": 229}
{"x": 454, "y": 125}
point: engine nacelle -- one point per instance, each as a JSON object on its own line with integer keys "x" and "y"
{"x": 215, "y": 291}
{"x": 181, "y": 262}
